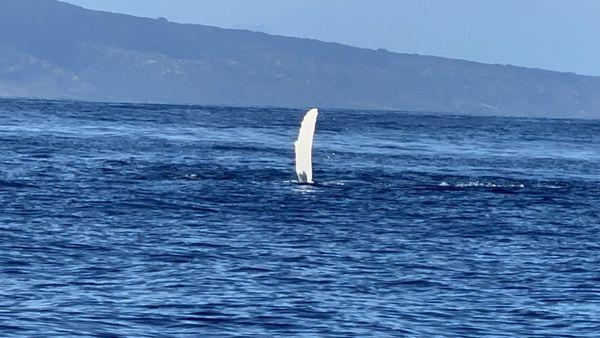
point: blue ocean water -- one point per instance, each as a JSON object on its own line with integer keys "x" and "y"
{"x": 165, "y": 220}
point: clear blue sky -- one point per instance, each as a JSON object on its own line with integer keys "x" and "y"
{"x": 552, "y": 34}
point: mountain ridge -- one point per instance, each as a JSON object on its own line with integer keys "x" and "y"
{"x": 102, "y": 56}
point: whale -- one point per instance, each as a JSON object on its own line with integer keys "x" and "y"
{"x": 304, "y": 146}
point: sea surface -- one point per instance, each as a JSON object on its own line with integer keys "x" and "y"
{"x": 123, "y": 220}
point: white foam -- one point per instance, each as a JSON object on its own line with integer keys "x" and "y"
{"x": 480, "y": 184}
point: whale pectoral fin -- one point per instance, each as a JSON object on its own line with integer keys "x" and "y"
{"x": 302, "y": 177}
{"x": 304, "y": 146}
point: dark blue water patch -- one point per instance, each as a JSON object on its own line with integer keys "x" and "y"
{"x": 171, "y": 220}
{"x": 15, "y": 184}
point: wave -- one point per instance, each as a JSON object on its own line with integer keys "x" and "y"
{"x": 481, "y": 184}
{"x": 15, "y": 184}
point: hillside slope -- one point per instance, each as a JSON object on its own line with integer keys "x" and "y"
{"x": 55, "y": 50}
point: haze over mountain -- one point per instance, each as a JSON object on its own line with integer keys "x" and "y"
{"x": 51, "y": 49}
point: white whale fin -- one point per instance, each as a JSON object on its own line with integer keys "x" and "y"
{"x": 304, "y": 147}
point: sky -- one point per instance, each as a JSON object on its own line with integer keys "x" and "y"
{"x": 561, "y": 35}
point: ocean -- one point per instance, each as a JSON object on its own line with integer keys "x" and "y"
{"x": 170, "y": 220}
